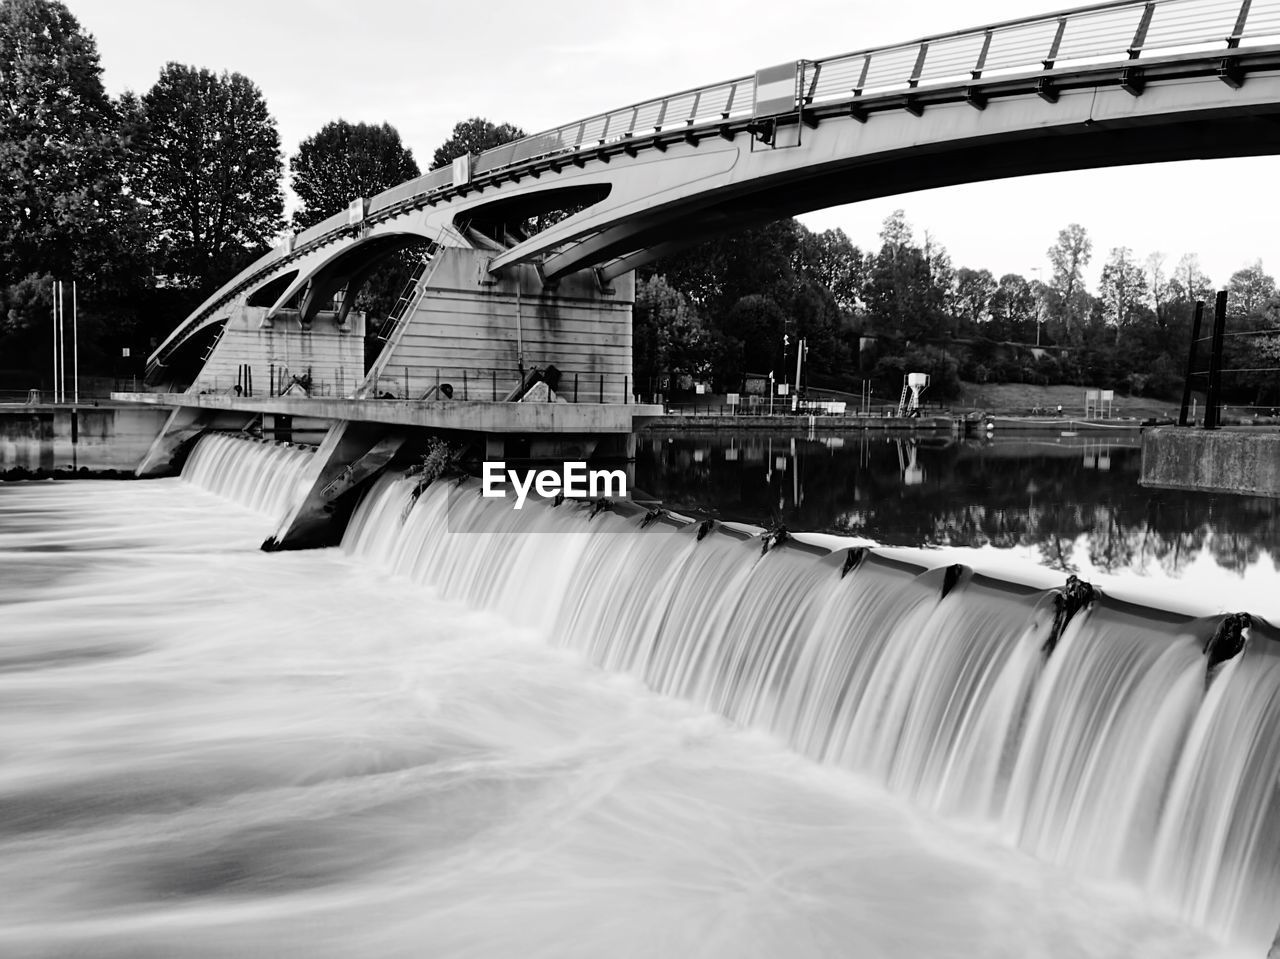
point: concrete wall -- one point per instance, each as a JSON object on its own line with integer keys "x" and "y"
{"x": 1227, "y": 461}
{"x": 334, "y": 355}
{"x": 105, "y": 437}
{"x": 467, "y": 320}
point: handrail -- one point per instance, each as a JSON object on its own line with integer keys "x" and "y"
{"x": 1116, "y": 30}
{"x": 1231, "y": 20}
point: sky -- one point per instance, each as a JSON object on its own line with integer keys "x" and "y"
{"x": 423, "y": 65}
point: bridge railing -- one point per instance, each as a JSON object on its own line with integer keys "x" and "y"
{"x": 1118, "y": 31}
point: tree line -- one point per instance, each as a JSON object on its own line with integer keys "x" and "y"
{"x": 732, "y": 306}
{"x": 152, "y": 201}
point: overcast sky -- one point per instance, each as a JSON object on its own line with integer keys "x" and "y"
{"x": 424, "y": 65}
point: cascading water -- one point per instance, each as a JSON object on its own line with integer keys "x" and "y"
{"x": 211, "y": 750}
{"x": 257, "y": 474}
{"x": 1111, "y": 756}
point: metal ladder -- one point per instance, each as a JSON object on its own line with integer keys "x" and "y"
{"x": 409, "y": 297}
{"x": 216, "y": 340}
{"x": 902, "y": 402}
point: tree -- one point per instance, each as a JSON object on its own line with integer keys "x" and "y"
{"x": 472, "y": 137}
{"x": 1014, "y": 309}
{"x": 907, "y": 286}
{"x": 1068, "y": 256}
{"x": 1159, "y": 286}
{"x": 669, "y": 335}
{"x": 973, "y": 293}
{"x": 1251, "y": 288}
{"x": 64, "y": 209}
{"x": 211, "y": 159}
{"x": 831, "y": 259}
{"x": 1123, "y": 289}
{"x": 344, "y": 161}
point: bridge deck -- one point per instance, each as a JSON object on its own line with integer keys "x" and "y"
{"x": 474, "y": 415}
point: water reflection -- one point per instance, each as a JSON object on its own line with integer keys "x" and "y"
{"x": 1074, "y": 500}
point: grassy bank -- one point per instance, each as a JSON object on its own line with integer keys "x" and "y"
{"x": 1019, "y": 399}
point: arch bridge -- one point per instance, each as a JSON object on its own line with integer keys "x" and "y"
{"x": 1116, "y": 83}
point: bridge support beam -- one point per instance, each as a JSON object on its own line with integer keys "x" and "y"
{"x": 351, "y": 454}
{"x": 167, "y": 450}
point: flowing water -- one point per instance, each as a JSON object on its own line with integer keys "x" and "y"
{"x": 408, "y": 746}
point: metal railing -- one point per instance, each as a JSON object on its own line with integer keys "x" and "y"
{"x": 1117, "y": 31}
{"x": 1212, "y": 376}
{"x": 405, "y": 384}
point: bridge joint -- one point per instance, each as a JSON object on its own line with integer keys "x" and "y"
{"x": 913, "y": 106}
{"x": 975, "y": 97}
{"x": 1046, "y": 91}
{"x": 1231, "y": 73}
{"x": 1131, "y": 81}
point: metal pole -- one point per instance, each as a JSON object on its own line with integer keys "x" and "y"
{"x": 53, "y": 294}
{"x": 1191, "y": 362}
{"x": 75, "y": 344}
{"x": 1212, "y": 417}
{"x": 62, "y": 340}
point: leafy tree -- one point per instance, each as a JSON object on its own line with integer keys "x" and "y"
{"x": 211, "y": 160}
{"x": 1123, "y": 289}
{"x": 474, "y": 136}
{"x": 669, "y": 336}
{"x": 1250, "y": 289}
{"x": 831, "y": 259}
{"x": 1189, "y": 280}
{"x": 1014, "y": 309}
{"x": 907, "y": 286}
{"x": 1159, "y": 286}
{"x": 63, "y": 206}
{"x": 759, "y": 323}
{"x": 344, "y": 161}
{"x": 973, "y": 293}
{"x": 1068, "y": 256}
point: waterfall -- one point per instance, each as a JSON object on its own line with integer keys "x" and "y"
{"x": 1110, "y": 756}
{"x": 258, "y": 474}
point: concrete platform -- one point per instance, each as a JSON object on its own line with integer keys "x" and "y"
{"x": 1220, "y": 461}
{"x": 473, "y": 415}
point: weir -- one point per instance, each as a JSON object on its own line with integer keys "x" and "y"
{"x": 1103, "y": 744}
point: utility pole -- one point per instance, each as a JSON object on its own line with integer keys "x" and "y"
{"x": 75, "y": 345}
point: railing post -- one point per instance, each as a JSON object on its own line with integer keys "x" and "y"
{"x": 493, "y": 381}
{"x": 601, "y": 387}
{"x": 1242, "y": 18}
{"x": 626, "y": 389}
{"x": 575, "y": 387}
{"x": 1191, "y": 362}
{"x": 1212, "y": 419}
{"x": 1140, "y": 35}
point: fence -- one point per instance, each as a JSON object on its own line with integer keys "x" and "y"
{"x": 471, "y": 384}
{"x": 1212, "y": 375}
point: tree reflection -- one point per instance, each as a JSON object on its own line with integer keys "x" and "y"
{"x": 1064, "y": 497}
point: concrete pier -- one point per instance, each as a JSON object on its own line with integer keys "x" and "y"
{"x": 1220, "y": 461}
